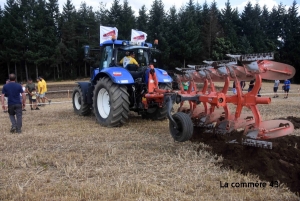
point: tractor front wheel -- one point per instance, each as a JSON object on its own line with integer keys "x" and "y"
{"x": 185, "y": 127}
{"x": 110, "y": 103}
{"x": 80, "y": 107}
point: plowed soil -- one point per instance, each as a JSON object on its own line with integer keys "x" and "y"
{"x": 280, "y": 164}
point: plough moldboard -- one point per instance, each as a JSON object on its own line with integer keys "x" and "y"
{"x": 209, "y": 108}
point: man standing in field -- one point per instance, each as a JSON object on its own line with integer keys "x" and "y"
{"x": 39, "y": 91}
{"x": 45, "y": 90}
{"x": 287, "y": 84}
{"x": 13, "y": 90}
{"x": 275, "y": 88}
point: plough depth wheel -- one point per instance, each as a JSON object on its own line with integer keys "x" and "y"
{"x": 185, "y": 127}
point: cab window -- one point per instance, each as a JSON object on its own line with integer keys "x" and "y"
{"x": 106, "y": 57}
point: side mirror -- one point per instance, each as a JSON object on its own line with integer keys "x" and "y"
{"x": 86, "y": 50}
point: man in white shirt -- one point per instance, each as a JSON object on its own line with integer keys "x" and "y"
{"x": 276, "y": 85}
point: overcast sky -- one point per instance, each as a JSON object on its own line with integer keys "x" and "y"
{"x": 137, "y": 4}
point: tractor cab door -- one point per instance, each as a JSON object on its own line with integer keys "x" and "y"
{"x": 107, "y": 57}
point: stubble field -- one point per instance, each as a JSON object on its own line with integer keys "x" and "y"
{"x": 62, "y": 156}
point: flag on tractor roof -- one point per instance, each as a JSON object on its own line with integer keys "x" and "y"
{"x": 138, "y": 36}
{"x": 107, "y": 33}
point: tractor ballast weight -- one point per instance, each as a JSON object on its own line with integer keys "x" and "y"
{"x": 115, "y": 90}
{"x": 215, "y": 114}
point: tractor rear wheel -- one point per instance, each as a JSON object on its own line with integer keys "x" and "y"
{"x": 185, "y": 127}
{"x": 80, "y": 107}
{"x": 158, "y": 113}
{"x": 110, "y": 103}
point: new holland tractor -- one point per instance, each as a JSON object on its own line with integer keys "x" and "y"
{"x": 114, "y": 90}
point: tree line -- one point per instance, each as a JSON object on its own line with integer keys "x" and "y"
{"x": 37, "y": 39}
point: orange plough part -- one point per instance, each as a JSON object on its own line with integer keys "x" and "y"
{"x": 214, "y": 110}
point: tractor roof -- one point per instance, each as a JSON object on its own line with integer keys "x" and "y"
{"x": 126, "y": 43}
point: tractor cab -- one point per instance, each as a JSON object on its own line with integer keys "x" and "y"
{"x": 113, "y": 52}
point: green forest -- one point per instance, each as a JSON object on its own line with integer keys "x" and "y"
{"x": 37, "y": 39}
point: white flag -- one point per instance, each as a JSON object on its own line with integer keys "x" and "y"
{"x": 106, "y": 33}
{"x": 138, "y": 36}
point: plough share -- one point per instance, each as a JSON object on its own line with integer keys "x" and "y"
{"x": 214, "y": 113}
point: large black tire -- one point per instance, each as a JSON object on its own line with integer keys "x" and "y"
{"x": 158, "y": 113}
{"x": 110, "y": 103}
{"x": 185, "y": 128}
{"x": 80, "y": 107}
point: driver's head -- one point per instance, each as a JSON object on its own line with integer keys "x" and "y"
{"x": 132, "y": 54}
{"x": 127, "y": 53}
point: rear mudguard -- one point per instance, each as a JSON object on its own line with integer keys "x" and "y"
{"x": 118, "y": 75}
{"x": 162, "y": 76}
{"x": 87, "y": 91}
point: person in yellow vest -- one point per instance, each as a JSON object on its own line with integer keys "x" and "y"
{"x": 129, "y": 59}
{"x": 44, "y": 85}
{"x": 39, "y": 91}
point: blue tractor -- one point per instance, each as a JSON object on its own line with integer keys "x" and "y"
{"x": 114, "y": 89}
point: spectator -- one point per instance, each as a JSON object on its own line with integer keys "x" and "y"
{"x": 275, "y": 88}
{"x": 233, "y": 88}
{"x": 6, "y": 100}
{"x": 287, "y": 84}
{"x": 251, "y": 85}
{"x": 258, "y": 94}
{"x": 243, "y": 84}
{"x": 29, "y": 89}
{"x": 13, "y": 90}
{"x": 24, "y": 89}
{"x": 33, "y": 99}
{"x": 185, "y": 86}
{"x": 45, "y": 90}
{"x": 39, "y": 91}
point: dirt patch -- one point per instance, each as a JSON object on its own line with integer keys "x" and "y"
{"x": 281, "y": 164}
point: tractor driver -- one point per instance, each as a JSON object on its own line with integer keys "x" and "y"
{"x": 129, "y": 59}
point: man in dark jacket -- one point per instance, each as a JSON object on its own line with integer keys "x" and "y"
{"x": 13, "y": 90}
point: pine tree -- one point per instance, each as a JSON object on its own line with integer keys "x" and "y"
{"x": 68, "y": 39}
{"x": 173, "y": 48}
{"x": 128, "y": 21}
{"x": 230, "y": 22}
{"x": 276, "y": 25}
{"x": 102, "y": 15}
{"x": 142, "y": 19}
{"x": 211, "y": 27}
{"x": 190, "y": 33}
{"x": 157, "y": 26}
{"x": 291, "y": 48}
{"x": 53, "y": 33}
{"x": 85, "y": 33}
{"x": 13, "y": 29}
{"x": 114, "y": 16}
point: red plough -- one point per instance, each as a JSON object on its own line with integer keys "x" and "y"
{"x": 214, "y": 112}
